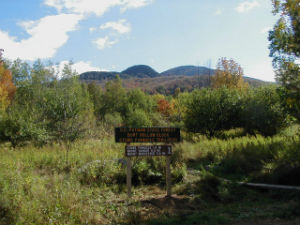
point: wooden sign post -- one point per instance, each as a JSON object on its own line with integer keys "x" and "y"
{"x": 143, "y": 135}
{"x": 128, "y": 177}
{"x": 168, "y": 176}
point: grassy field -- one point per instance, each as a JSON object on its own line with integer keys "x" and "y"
{"x": 84, "y": 182}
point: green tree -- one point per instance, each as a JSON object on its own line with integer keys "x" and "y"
{"x": 180, "y": 106}
{"x": 66, "y": 106}
{"x": 262, "y": 111}
{"x": 114, "y": 98}
{"x": 212, "y": 110}
{"x": 285, "y": 50}
{"x": 21, "y": 72}
{"x": 137, "y": 118}
{"x": 23, "y": 123}
{"x": 139, "y": 100}
{"x": 96, "y": 95}
{"x": 46, "y": 109}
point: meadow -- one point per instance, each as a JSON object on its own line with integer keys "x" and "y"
{"x": 85, "y": 182}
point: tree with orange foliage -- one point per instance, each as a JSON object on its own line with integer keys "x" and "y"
{"x": 164, "y": 107}
{"x": 7, "y": 87}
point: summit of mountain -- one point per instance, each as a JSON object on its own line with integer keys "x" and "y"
{"x": 188, "y": 71}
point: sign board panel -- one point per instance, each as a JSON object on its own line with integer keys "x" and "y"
{"x": 143, "y": 135}
{"x": 148, "y": 150}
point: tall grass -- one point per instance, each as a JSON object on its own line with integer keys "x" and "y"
{"x": 40, "y": 186}
{"x": 251, "y": 157}
{"x": 37, "y": 186}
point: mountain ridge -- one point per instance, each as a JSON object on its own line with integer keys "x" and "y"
{"x": 145, "y": 71}
{"x": 185, "y": 77}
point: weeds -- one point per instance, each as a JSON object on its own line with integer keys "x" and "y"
{"x": 39, "y": 186}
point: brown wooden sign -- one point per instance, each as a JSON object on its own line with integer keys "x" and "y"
{"x": 148, "y": 150}
{"x": 143, "y": 135}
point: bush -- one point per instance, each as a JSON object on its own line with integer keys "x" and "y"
{"x": 257, "y": 110}
{"x": 101, "y": 173}
{"x": 137, "y": 118}
{"x": 151, "y": 170}
{"x": 113, "y": 119}
{"x": 20, "y": 125}
{"x": 45, "y": 108}
{"x": 263, "y": 112}
{"x": 209, "y": 110}
{"x": 147, "y": 171}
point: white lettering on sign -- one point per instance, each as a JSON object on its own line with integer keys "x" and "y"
{"x": 148, "y": 150}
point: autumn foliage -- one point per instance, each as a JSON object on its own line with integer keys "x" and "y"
{"x": 229, "y": 74}
{"x": 164, "y": 107}
{"x": 7, "y": 87}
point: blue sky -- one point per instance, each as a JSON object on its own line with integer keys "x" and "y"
{"x": 115, "y": 34}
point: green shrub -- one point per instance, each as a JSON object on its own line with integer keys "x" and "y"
{"x": 210, "y": 110}
{"x": 113, "y": 119}
{"x": 101, "y": 173}
{"x": 46, "y": 109}
{"x": 137, "y": 118}
{"x": 152, "y": 170}
{"x": 157, "y": 120}
{"x": 21, "y": 125}
{"x": 262, "y": 111}
{"x": 147, "y": 171}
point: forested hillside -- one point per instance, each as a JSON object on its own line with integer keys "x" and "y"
{"x": 187, "y": 78}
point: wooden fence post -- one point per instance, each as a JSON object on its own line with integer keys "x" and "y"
{"x": 168, "y": 176}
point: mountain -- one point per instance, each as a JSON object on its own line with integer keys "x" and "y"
{"x": 140, "y": 71}
{"x": 186, "y": 78}
{"x": 188, "y": 71}
{"x": 98, "y": 76}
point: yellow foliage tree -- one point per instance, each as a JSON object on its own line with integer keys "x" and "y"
{"x": 228, "y": 74}
{"x": 4, "y": 101}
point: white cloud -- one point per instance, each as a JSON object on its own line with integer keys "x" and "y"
{"x": 46, "y": 36}
{"x": 246, "y": 6}
{"x": 218, "y": 12}
{"x": 120, "y": 26}
{"x": 128, "y": 4}
{"x": 104, "y": 42}
{"x": 58, "y": 4}
{"x": 80, "y": 67}
{"x": 98, "y": 7}
{"x": 92, "y": 29}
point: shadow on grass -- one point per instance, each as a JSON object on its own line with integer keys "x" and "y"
{"x": 181, "y": 210}
{"x": 6, "y": 216}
